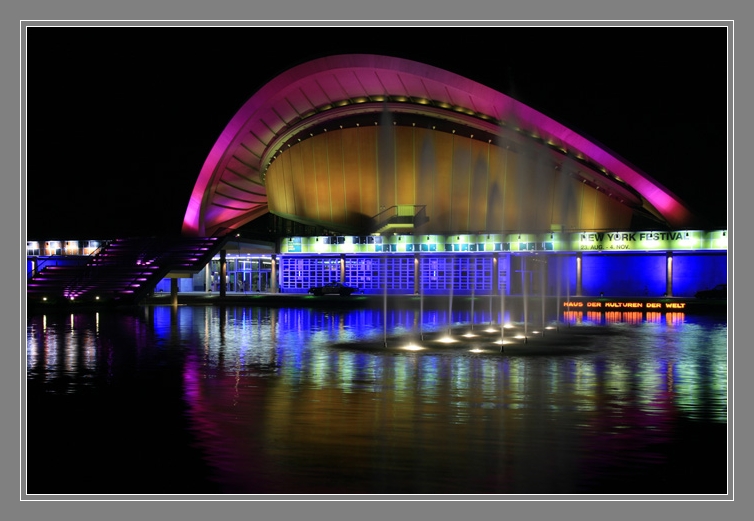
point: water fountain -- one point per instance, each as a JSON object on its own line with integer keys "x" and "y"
{"x": 502, "y": 318}
{"x": 525, "y": 290}
{"x": 473, "y": 288}
{"x": 421, "y": 305}
{"x": 450, "y": 294}
{"x": 535, "y": 170}
{"x": 384, "y": 300}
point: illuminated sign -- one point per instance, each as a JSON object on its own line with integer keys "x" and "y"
{"x": 649, "y": 240}
{"x": 583, "y": 241}
{"x": 626, "y": 304}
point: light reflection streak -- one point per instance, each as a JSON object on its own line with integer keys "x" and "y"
{"x": 69, "y": 349}
{"x": 243, "y": 345}
{"x": 649, "y": 373}
{"x": 50, "y": 355}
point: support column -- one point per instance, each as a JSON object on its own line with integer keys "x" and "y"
{"x": 669, "y": 274}
{"x": 579, "y": 263}
{"x": 223, "y": 274}
{"x": 417, "y": 274}
{"x": 495, "y": 273}
{"x": 342, "y": 268}
{"x": 273, "y": 275}
{"x": 543, "y": 278}
{"x": 208, "y": 276}
{"x": 174, "y": 291}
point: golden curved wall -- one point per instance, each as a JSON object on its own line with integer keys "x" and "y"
{"x": 342, "y": 178}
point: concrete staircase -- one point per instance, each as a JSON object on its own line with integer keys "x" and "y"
{"x": 122, "y": 271}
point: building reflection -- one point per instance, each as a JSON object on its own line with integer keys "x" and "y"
{"x": 271, "y": 388}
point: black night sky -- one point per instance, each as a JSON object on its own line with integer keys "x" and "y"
{"x": 120, "y": 120}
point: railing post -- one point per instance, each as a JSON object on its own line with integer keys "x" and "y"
{"x": 223, "y": 273}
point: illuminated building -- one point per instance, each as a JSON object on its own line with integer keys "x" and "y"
{"x": 424, "y": 181}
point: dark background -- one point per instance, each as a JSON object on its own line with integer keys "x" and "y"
{"x": 119, "y": 120}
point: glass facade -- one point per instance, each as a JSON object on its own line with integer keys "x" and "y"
{"x": 651, "y": 264}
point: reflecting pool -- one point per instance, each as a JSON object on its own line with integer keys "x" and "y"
{"x": 248, "y": 400}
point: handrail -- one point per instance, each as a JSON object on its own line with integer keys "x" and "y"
{"x": 30, "y": 274}
{"x": 86, "y": 270}
{"x": 398, "y": 212}
{"x": 118, "y": 266}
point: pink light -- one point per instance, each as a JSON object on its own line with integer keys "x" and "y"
{"x": 352, "y": 75}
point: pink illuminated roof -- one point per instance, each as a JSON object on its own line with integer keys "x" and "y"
{"x": 230, "y": 190}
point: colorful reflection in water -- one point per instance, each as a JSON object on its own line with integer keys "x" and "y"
{"x": 292, "y": 401}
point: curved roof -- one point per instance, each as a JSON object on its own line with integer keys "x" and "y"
{"x": 230, "y": 190}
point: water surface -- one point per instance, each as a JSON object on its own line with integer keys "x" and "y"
{"x": 246, "y": 400}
